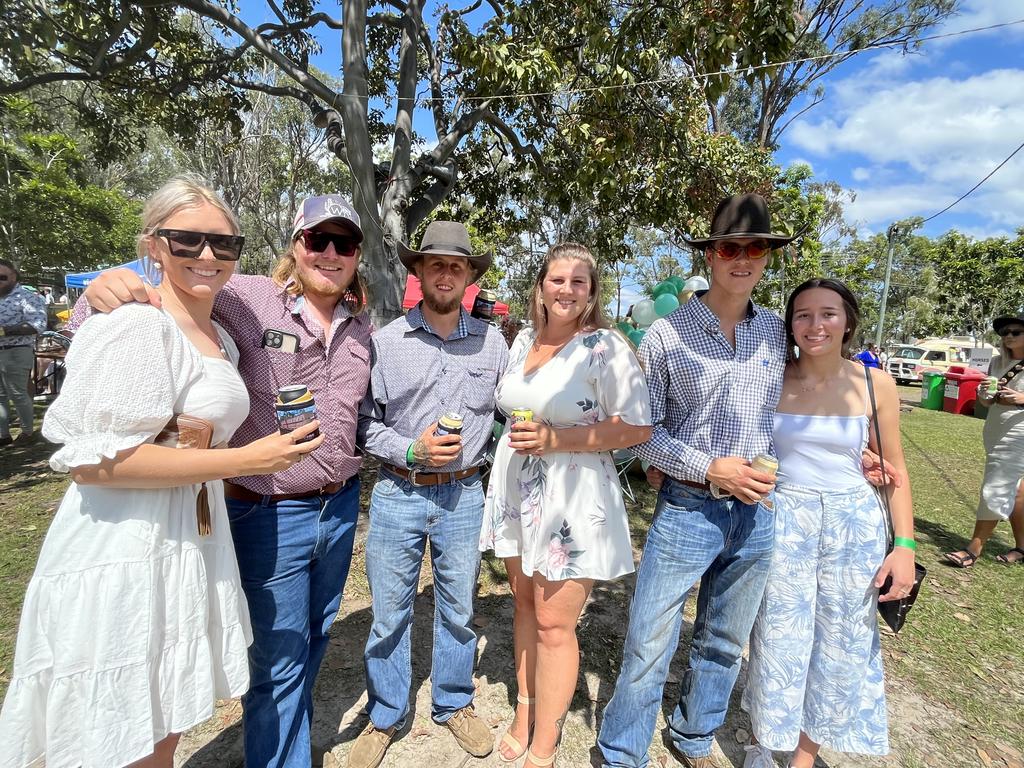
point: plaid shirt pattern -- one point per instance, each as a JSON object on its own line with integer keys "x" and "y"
{"x": 22, "y": 306}
{"x": 709, "y": 399}
{"x": 416, "y": 376}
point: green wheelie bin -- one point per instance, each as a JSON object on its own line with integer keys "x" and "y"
{"x": 932, "y": 390}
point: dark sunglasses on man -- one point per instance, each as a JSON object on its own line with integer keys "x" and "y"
{"x": 317, "y": 241}
{"x": 1015, "y": 332}
{"x": 187, "y": 244}
{"x": 728, "y": 251}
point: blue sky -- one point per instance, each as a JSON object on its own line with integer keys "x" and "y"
{"x": 911, "y": 133}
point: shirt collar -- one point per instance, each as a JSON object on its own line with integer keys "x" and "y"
{"x": 296, "y": 304}
{"x": 705, "y": 310}
{"x": 467, "y": 325}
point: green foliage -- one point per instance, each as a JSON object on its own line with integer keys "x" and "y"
{"x": 52, "y": 219}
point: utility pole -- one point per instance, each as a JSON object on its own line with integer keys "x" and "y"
{"x": 892, "y": 234}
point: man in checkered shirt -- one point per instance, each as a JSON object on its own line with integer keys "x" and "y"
{"x": 714, "y": 367}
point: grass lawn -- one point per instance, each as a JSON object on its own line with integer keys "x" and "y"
{"x": 960, "y": 648}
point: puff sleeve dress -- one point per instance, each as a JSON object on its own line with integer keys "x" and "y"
{"x": 563, "y": 513}
{"x": 133, "y": 624}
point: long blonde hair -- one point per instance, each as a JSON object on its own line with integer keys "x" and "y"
{"x": 185, "y": 191}
{"x": 593, "y": 314}
{"x": 286, "y": 275}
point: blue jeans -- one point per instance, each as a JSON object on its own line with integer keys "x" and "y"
{"x": 402, "y": 518}
{"x": 727, "y": 545}
{"x": 293, "y": 557}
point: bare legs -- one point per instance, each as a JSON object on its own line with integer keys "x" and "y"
{"x": 163, "y": 754}
{"x": 546, "y": 651}
{"x": 983, "y": 530}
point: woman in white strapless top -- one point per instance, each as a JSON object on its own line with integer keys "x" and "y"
{"x": 815, "y": 672}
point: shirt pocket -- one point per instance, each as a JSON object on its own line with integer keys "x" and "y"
{"x": 478, "y": 390}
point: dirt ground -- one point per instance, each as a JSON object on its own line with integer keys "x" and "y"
{"x": 920, "y": 731}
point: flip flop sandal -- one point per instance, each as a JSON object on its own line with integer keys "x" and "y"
{"x": 1006, "y": 558}
{"x": 961, "y": 561}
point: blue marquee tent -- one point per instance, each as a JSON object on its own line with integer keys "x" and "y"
{"x": 82, "y": 279}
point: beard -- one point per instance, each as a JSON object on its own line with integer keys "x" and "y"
{"x": 319, "y": 286}
{"x": 440, "y": 305}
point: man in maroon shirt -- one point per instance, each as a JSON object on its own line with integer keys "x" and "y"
{"x": 293, "y": 530}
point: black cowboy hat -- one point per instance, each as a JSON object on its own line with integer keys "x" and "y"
{"x": 445, "y": 238}
{"x": 742, "y": 216}
{"x": 1004, "y": 320}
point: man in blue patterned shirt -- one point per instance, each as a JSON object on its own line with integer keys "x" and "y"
{"x": 714, "y": 368}
{"x": 22, "y": 316}
{"x": 435, "y": 360}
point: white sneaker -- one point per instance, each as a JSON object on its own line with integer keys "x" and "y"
{"x": 758, "y": 757}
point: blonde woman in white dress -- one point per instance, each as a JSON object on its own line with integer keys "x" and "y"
{"x": 134, "y": 623}
{"x": 554, "y": 508}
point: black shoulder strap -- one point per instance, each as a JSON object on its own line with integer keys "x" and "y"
{"x": 1007, "y": 377}
{"x": 881, "y": 457}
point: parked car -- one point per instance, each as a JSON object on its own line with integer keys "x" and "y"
{"x": 906, "y": 362}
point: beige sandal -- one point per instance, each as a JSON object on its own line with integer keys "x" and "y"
{"x": 542, "y": 762}
{"x": 510, "y": 741}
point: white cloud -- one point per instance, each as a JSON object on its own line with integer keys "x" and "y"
{"x": 985, "y": 13}
{"x": 921, "y": 144}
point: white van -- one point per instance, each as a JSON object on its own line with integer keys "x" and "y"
{"x": 907, "y": 362}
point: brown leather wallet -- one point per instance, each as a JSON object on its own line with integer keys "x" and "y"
{"x": 417, "y": 477}
{"x": 184, "y": 431}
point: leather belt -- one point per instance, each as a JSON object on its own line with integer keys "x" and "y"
{"x": 706, "y": 487}
{"x": 418, "y": 477}
{"x": 241, "y": 493}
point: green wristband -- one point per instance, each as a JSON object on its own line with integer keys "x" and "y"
{"x": 409, "y": 458}
{"x": 903, "y": 541}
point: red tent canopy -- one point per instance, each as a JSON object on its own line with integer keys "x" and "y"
{"x": 413, "y": 293}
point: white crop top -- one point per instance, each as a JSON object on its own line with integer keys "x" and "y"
{"x": 822, "y": 453}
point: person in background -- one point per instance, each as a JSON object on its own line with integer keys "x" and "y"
{"x": 815, "y": 672}
{"x": 134, "y": 622}
{"x": 22, "y": 318}
{"x": 868, "y": 357}
{"x": 434, "y": 361}
{"x": 293, "y": 530}
{"x": 1002, "y": 493}
{"x": 554, "y": 510}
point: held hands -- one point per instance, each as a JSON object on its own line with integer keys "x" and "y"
{"x": 655, "y": 477}
{"x": 734, "y": 476}
{"x": 872, "y": 467}
{"x": 900, "y": 565}
{"x": 431, "y": 450}
{"x": 532, "y": 438}
{"x": 1007, "y": 396}
{"x": 277, "y": 452}
{"x": 110, "y": 290}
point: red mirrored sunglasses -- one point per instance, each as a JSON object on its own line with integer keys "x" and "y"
{"x": 728, "y": 251}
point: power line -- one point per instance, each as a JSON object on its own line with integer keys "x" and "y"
{"x": 968, "y": 192}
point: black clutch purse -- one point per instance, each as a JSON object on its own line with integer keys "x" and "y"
{"x": 893, "y": 612}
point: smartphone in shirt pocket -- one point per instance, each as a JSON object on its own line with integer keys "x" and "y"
{"x": 282, "y": 341}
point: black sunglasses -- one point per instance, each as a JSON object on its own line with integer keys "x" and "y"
{"x": 189, "y": 245}
{"x": 315, "y": 240}
{"x": 4, "y": 278}
{"x": 1015, "y": 333}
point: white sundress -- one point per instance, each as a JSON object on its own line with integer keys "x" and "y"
{"x": 563, "y": 512}
{"x": 133, "y": 625}
{"x": 1003, "y": 436}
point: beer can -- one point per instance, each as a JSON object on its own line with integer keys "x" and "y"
{"x": 483, "y": 305}
{"x": 765, "y": 462}
{"x": 993, "y": 385}
{"x": 521, "y": 414}
{"x": 449, "y": 424}
{"x": 295, "y": 407}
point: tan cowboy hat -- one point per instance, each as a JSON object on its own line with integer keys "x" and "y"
{"x": 445, "y": 238}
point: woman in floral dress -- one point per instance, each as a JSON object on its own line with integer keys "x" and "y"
{"x": 554, "y": 509}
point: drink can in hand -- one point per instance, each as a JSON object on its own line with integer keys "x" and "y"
{"x": 449, "y": 424}
{"x": 993, "y": 385}
{"x": 295, "y": 407}
{"x": 765, "y": 462}
{"x": 521, "y": 414}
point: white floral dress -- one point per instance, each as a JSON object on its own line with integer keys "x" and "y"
{"x": 563, "y": 512}
{"x": 133, "y": 625}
